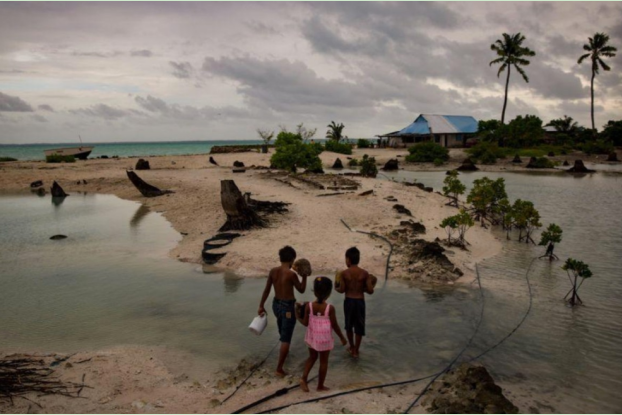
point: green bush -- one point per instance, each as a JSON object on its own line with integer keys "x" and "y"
{"x": 486, "y": 153}
{"x": 292, "y": 153}
{"x": 596, "y": 147}
{"x": 427, "y": 152}
{"x": 368, "y": 166}
{"x": 438, "y": 162}
{"x": 542, "y": 163}
{"x": 613, "y": 133}
{"x": 7, "y": 159}
{"x": 338, "y": 147}
{"x": 353, "y": 163}
{"x": 362, "y": 143}
{"x": 57, "y": 158}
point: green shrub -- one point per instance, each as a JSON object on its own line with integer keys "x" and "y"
{"x": 596, "y": 147}
{"x": 542, "y": 163}
{"x": 338, "y": 147}
{"x": 427, "y": 152}
{"x": 368, "y": 166}
{"x": 362, "y": 143}
{"x": 57, "y": 158}
{"x": 292, "y": 153}
{"x": 486, "y": 153}
{"x": 7, "y": 159}
{"x": 438, "y": 162}
{"x": 353, "y": 163}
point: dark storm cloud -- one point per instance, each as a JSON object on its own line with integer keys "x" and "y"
{"x": 45, "y": 107}
{"x": 104, "y": 111}
{"x": 142, "y": 53}
{"x": 11, "y": 103}
{"x": 550, "y": 82}
{"x": 182, "y": 70}
{"x": 160, "y": 107}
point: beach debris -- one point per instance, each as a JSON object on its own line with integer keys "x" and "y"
{"x": 337, "y": 164}
{"x": 612, "y": 156}
{"x": 401, "y": 209}
{"x": 392, "y": 164}
{"x": 333, "y": 194}
{"x": 142, "y": 164}
{"x": 58, "y": 237}
{"x": 467, "y": 165}
{"x": 467, "y": 389}
{"x": 57, "y": 191}
{"x": 238, "y": 170}
{"x": 40, "y": 191}
{"x": 103, "y": 157}
{"x": 22, "y": 374}
{"x": 390, "y": 199}
{"x": 211, "y": 160}
{"x": 579, "y": 167}
{"x": 145, "y": 188}
{"x": 36, "y": 183}
{"x": 517, "y": 159}
{"x": 566, "y": 163}
{"x": 416, "y": 227}
{"x": 216, "y": 242}
{"x": 367, "y": 192}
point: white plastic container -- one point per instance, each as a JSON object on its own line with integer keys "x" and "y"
{"x": 258, "y": 325}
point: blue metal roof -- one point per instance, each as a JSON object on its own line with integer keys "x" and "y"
{"x": 441, "y": 124}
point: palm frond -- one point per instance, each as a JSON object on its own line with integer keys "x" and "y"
{"x": 604, "y": 65}
{"x": 583, "y": 57}
{"x": 501, "y": 69}
{"x": 587, "y": 47}
{"x": 522, "y": 72}
{"x": 498, "y": 60}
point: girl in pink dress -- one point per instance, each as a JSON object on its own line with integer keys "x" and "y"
{"x": 319, "y": 318}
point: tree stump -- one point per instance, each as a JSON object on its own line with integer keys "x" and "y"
{"x": 57, "y": 191}
{"x": 211, "y": 160}
{"x": 551, "y": 154}
{"x": 239, "y": 215}
{"x": 392, "y": 164}
{"x": 36, "y": 183}
{"x": 467, "y": 165}
{"x": 238, "y": 164}
{"x": 566, "y": 163}
{"x": 338, "y": 164}
{"x": 517, "y": 159}
{"x": 142, "y": 164}
{"x": 579, "y": 167}
{"x": 145, "y": 188}
{"x": 612, "y": 156}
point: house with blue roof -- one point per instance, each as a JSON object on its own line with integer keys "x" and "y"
{"x": 446, "y": 130}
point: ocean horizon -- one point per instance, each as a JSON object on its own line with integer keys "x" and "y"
{"x": 122, "y": 149}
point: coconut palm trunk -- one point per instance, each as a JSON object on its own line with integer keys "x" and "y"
{"x": 505, "y": 100}
{"x": 592, "y": 90}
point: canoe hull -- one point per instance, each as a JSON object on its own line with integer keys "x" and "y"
{"x": 78, "y": 152}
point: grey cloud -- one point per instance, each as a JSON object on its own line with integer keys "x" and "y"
{"x": 186, "y": 112}
{"x": 11, "y": 103}
{"x": 182, "y": 70}
{"x": 103, "y": 111}
{"x": 39, "y": 118}
{"x": 262, "y": 29}
{"x": 551, "y": 82}
{"x": 98, "y": 54}
{"x": 45, "y": 107}
{"x": 142, "y": 53}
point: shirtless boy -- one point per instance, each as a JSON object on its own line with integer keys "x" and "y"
{"x": 283, "y": 305}
{"x": 355, "y": 282}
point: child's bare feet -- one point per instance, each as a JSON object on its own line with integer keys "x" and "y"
{"x": 280, "y": 373}
{"x": 350, "y": 351}
{"x": 322, "y": 389}
{"x": 303, "y": 385}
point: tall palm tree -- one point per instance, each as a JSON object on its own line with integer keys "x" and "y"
{"x": 564, "y": 125}
{"x": 511, "y": 53}
{"x": 597, "y": 48}
{"x": 334, "y": 132}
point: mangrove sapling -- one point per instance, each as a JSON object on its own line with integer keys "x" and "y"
{"x": 453, "y": 188}
{"x": 266, "y": 136}
{"x": 485, "y": 197}
{"x": 526, "y": 219}
{"x": 551, "y": 236}
{"x": 506, "y": 216}
{"x": 450, "y": 224}
{"x": 575, "y": 270}
{"x": 464, "y": 221}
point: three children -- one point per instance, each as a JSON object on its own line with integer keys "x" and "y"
{"x": 319, "y": 317}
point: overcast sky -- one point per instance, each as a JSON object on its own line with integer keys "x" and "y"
{"x": 211, "y": 71}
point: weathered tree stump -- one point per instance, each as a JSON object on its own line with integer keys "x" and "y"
{"x": 517, "y": 159}
{"x": 566, "y": 163}
{"x": 579, "y": 167}
{"x": 142, "y": 164}
{"x": 467, "y": 165}
{"x": 239, "y": 215}
{"x": 57, "y": 191}
{"x": 145, "y": 188}
{"x": 612, "y": 156}
{"x": 238, "y": 164}
{"x": 338, "y": 164}
{"x": 551, "y": 154}
{"x": 37, "y": 183}
{"x": 211, "y": 160}
{"x": 392, "y": 164}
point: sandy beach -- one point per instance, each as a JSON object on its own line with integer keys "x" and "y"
{"x": 130, "y": 379}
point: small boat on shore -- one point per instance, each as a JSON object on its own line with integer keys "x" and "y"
{"x": 81, "y": 152}
{"x": 78, "y": 152}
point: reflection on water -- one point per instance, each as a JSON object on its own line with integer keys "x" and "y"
{"x": 139, "y": 215}
{"x": 57, "y": 201}
{"x": 109, "y": 283}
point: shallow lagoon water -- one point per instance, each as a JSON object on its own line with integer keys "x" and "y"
{"x": 111, "y": 283}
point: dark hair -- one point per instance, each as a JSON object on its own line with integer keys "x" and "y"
{"x": 354, "y": 255}
{"x": 287, "y": 254}
{"x": 322, "y": 287}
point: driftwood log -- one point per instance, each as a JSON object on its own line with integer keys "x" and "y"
{"x": 57, "y": 191}
{"x": 145, "y": 188}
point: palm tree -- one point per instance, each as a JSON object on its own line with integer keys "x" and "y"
{"x": 564, "y": 125}
{"x": 511, "y": 52}
{"x": 597, "y": 48}
{"x": 334, "y": 132}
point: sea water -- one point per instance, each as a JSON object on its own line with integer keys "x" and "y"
{"x": 111, "y": 283}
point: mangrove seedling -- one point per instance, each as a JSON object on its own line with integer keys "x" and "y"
{"x": 485, "y": 196}
{"x": 575, "y": 270}
{"x": 551, "y": 236}
{"x": 526, "y": 219}
{"x": 453, "y": 188}
{"x": 461, "y": 223}
{"x": 450, "y": 224}
{"x": 368, "y": 166}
